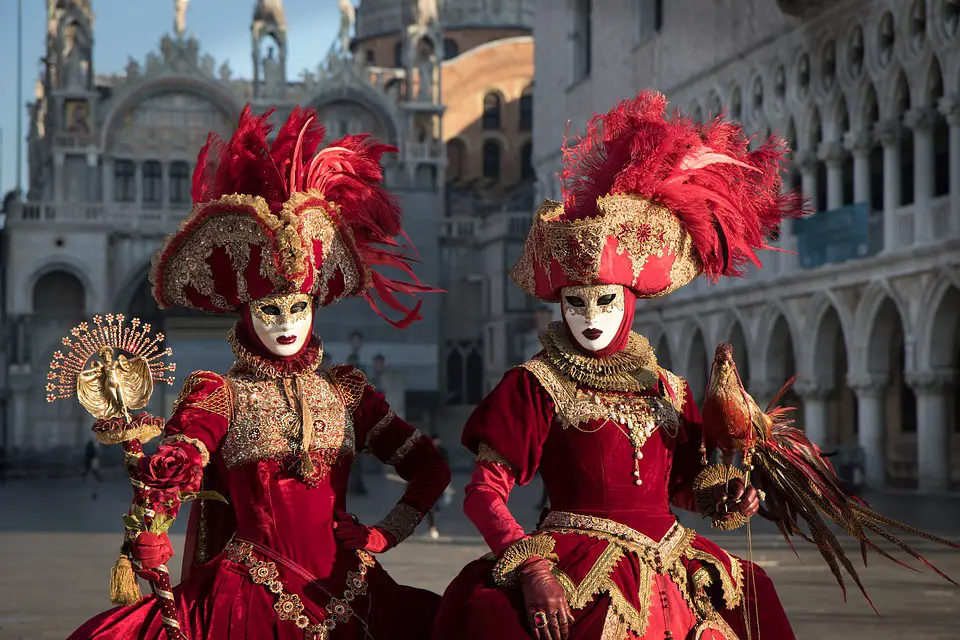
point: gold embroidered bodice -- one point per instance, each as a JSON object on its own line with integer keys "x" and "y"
{"x": 267, "y": 420}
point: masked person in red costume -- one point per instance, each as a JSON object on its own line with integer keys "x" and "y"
{"x": 277, "y": 232}
{"x": 651, "y": 201}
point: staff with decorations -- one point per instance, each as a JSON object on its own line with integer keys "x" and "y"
{"x": 278, "y": 231}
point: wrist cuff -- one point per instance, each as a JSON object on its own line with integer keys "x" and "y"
{"x": 504, "y": 571}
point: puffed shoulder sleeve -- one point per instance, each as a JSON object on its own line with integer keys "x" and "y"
{"x": 512, "y": 423}
{"x": 202, "y": 413}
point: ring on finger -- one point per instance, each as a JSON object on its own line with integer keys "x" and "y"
{"x": 540, "y": 620}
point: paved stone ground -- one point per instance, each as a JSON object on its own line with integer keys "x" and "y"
{"x": 57, "y": 544}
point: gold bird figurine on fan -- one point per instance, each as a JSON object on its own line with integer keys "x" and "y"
{"x": 791, "y": 473}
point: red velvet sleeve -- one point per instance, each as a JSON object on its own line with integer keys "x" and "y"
{"x": 514, "y": 420}
{"x": 201, "y": 414}
{"x": 686, "y": 454}
{"x": 394, "y": 441}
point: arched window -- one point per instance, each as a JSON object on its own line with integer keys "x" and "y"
{"x": 450, "y": 48}
{"x": 581, "y": 39}
{"x": 179, "y": 182}
{"x": 124, "y": 181}
{"x": 152, "y": 184}
{"x": 526, "y": 162}
{"x": 491, "y": 160}
{"x": 526, "y": 110}
{"x": 491, "y": 111}
{"x": 456, "y": 158}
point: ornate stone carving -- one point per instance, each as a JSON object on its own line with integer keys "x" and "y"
{"x": 888, "y": 132}
{"x": 928, "y": 383}
{"x": 811, "y": 388}
{"x": 803, "y": 73}
{"x": 886, "y": 38}
{"x": 855, "y": 51}
{"x": 920, "y": 118}
{"x": 918, "y": 24}
{"x": 828, "y": 66}
{"x": 806, "y": 159}
{"x": 859, "y": 143}
{"x": 868, "y": 385}
{"x": 831, "y": 152}
{"x": 950, "y": 108}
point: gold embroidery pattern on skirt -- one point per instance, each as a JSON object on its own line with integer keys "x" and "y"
{"x": 266, "y": 426}
{"x": 289, "y": 606}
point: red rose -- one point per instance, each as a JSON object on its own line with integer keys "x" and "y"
{"x": 172, "y": 467}
{"x": 151, "y": 551}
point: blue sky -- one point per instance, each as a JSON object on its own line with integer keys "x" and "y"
{"x": 125, "y": 28}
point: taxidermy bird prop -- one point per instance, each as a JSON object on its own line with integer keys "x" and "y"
{"x": 791, "y": 473}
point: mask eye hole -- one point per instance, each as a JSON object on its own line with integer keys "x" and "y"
{"x": 575, "y": 301}
{"x": 270, "y": 310}
{"x": 300, "y": 307}
{"x": 607, "y": 299}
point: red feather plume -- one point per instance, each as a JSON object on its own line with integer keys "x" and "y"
{"x": 347, "y": 172}
{"x": 728, "y": 199}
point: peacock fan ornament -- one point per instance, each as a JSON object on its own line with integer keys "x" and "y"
{"x": 111, "y": 369}
{"x": 793, "y": 477}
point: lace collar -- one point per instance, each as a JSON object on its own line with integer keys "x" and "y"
{"x": 633, "y": 368}
{"x": 250, "y": 363}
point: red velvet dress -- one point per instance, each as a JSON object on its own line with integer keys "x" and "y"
{"x": 627, "y": 567}
{"x": 247, "y": 426}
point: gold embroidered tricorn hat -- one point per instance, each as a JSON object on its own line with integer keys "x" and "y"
{"x": 286, "y": 217}
{"x": 651, "y": 201}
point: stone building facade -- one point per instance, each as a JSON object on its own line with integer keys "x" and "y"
{"x": 111, "y": 159}
{"x": 868, "y": 94}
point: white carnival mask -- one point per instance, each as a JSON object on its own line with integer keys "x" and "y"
{"x": 593, "y": 313}
{"x": 283, "y": 322}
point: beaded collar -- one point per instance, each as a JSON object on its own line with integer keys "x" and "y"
{"x": 633, "y": 368}
{"x": 250, "y": 363}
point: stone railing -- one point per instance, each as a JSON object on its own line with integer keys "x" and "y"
{"x": 459, "y": 228}
{"x": 422, "y": 151}
{"x": 904, "y": 220}
{"x": 119, "y": 216}
{"x": 510, "y": 225}
{"x": 943, "y": 226}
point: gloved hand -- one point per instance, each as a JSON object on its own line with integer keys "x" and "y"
{"x": 549, "y": 614}
{"x": 737, "y": 497}
{"x": 150, "y": 550}
{"x": 354, "y": 535}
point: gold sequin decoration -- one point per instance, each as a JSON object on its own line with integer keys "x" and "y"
{"x": 633, "y": 368}
{"x": 401, "y": 452}
{"x": 641, "y": 229}
{"x": 266, "y": 426}
{"x": 486, "y": 453}
{"x": 401, "y": 522}
{"x": 351, "y": 383}
{"x": 679, "y": 387}
{"x": 288, "y": 606}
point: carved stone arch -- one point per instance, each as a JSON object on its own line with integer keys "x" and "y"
{"x": 866, "y": 108}
{"x": 865, "y": 321}
{"x": 66, "y": 264}
{"x": 811, "y": 128}
{"x": 877, "y": 60}
{"x": 664, "y": 348}
{"x": 714, "y": 104}
{"x": 695, "y": 112}
{"x": 835, "y": 117}
{"x": 364, "y": 96}
{"x": 932, "y": 82}
{"x": 950, "y": 65}
{"x": 936, "y": 331}
{"x": 736, "y": 332}
{"x": 813, "y": 347}
{"x": 735, "y": 101}
{"x": 897, "y": 94}
{"x": 852, "y": 44}
{"x": 765, "y": 334}
{"x": 695, "y": 373}
{"x": 907, "y": 52}
{"x": 213, "y": 92}
{"x": 756, "y": 99}
{"x": 685, "y": 343}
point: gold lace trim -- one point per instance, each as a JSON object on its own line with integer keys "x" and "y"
{"x": 247, "y": 362}
{"x": 197, "y": 444}
{"x": 219, "y": 401}
{"x": 401, "y": 452}
{"x": 664, "y": 557}
{"x": 633, "y": 368}
{"x": 351, "y": 383}
{"x": 575, "y": 406}
{"x": 289, "y": 606}
{"x": 374, "y": 433}
{"x": 679, "y": 387}
{"x": 486, "y": 453}
{"x": 521, "y": 550}
{"x": 401, "y": 522}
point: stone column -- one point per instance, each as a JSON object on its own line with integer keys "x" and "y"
{"x": 921, "y": 120}
{"x": 165, "y": 184}
{"x": 950, "y": 108}
{"x": 832, "y": 153}
{"x": 888, "y": 133}
{"x": 807, "y": 161}
{"x": 932, "y": 389}
{"x": 871, "y": 427}
{"x": 860, "y": 144}
{"x": 814, "y": 394}
{"x": 59, "y": 162}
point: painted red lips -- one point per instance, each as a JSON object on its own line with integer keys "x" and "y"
{"x": 285, "y": 340}
{"x": 592, "y": 334}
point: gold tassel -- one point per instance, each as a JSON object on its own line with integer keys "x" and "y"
{"x": 306, "y": 422}
{"x": 124, "y": 588}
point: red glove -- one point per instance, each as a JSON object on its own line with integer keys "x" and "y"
{"x": 354, "y": 535}
{"x": 548, "y": 613}
{"x": 150, "y": 551}
{"x": 737, "y": 497}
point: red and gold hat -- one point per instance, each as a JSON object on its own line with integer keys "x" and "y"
{"x": 651, "y": 201}
{"x": 286, "y": 218}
